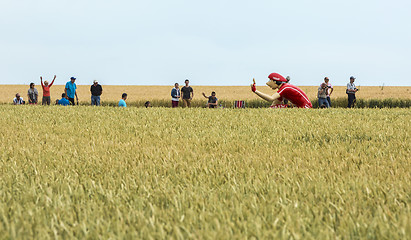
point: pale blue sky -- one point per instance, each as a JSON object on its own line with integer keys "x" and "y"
{"x": 210, "y": 42}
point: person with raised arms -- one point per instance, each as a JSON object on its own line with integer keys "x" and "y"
{"x": 46, "y": 90}
{"x": 285, "y": 91}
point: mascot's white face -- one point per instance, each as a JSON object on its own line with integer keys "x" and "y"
{"x": 272, "y": 84}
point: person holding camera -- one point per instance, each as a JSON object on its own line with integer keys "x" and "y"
{"x": 351, "y": 90}
{"x": 322, "y": 96}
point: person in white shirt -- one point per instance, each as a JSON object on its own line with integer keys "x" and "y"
{"x": 351, "y": 90}
{"x": 18, "y": 100}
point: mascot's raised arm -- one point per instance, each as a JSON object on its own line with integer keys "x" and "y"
{"x": 285, "y": 91}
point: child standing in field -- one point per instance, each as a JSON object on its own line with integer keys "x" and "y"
{"x": 46, "y": 90}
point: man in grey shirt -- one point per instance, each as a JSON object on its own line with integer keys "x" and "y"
{"x": 351, "y": 90}
{"x": 32, "y": 94}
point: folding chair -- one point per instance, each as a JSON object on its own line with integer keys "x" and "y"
{"x": 239, "y": 104}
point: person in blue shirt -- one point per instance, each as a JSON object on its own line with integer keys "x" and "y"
{"x": 122, "y": 102}
{"x": 70, "y": 90}
{"x": 63, "y": 101}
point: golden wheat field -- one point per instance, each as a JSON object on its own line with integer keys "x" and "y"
{"x": 160, "y": 173}
{"x": 136, "y": 93}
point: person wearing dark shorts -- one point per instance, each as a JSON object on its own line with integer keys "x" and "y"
{"x": 96, "y": 91}
{"x": 212, "y": 100}
{"x": 188, "y": 94}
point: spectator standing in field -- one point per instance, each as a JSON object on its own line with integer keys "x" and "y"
{"x": 294, "y": 94}
{"x": 71, "y": 90}
{"x": 122, "y": 102}
{"x": 175, "y": 95}
{"x": 63, "y": 101}
{"x": 330, "y": 90}
{"x": 188, "y": 94}
{"x": 212, "y": 100}
{"x": 351, "y": 90}
{"x": 322, "y": 96}
{"x": 46, "y": 90}
{"x": 32, "y": 94}
{"x": 18, "y": 100}
{"x": 96, "y": 91}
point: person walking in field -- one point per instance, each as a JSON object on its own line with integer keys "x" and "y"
{"x": 18, "y": 100}
{"x": 322, "y": 96}
{"x": 212, "y": 100}
{"x": 188, "y": 94}
{"x": 285, "y": 91}
{"x": 96, "y": 91}
{"x": 351, "y": 90}
{"x": 330, "y": 90}
{"x": 122, "y": 102}
{"x": 32, "y": 94}
{"x": 46, "y": 90}
{"x": 175, "y": 95}
{"x": 71, "y": 90}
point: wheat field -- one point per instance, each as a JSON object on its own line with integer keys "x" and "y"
{"x": 160, "y": 173}
{"x": 150, "y": 93}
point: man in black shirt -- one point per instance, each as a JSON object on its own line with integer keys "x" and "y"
{"x": 96, "y": 90}
{"x": 188, "y": 94}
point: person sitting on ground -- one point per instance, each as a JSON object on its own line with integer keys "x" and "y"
{"x": 18, "y": 100}
{"x": 63, "y": 101}
{"x": 147, "y": 104}
{"x": 294, "y": 94}
{"x": 212, "y": 100}
{"x": 32, "y": 94}
{"x": 46, "y": 90}
{"x": 122, "y": 102}
{"x": 322, "y": 95}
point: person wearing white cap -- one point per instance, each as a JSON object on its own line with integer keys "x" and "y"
{"x": 96, "y": 91}
{"x": 351, "y": 90}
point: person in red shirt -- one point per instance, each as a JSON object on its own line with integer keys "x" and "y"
{"x": 46, "y": 90}
{"x": 285, "y": 91}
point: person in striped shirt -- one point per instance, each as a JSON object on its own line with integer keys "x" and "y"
{"x": 285, "y": 91}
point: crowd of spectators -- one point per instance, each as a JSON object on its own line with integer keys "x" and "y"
{"x": 186, "y": 93}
